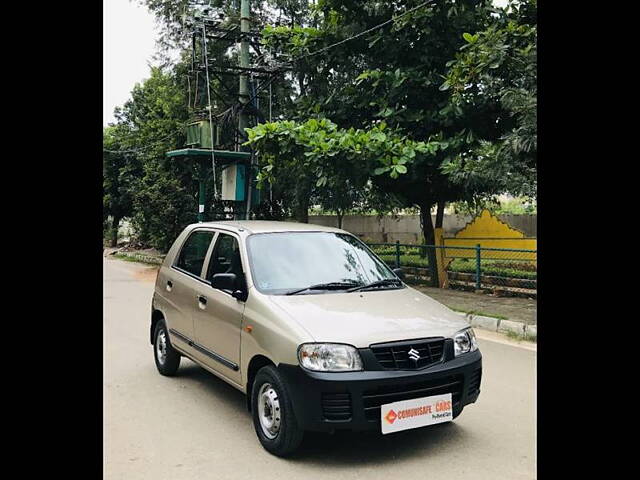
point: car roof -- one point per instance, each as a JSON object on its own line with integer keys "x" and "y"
{"x": 269, "y": 226}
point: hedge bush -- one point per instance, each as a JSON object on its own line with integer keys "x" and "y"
{"x": 497, "y": 268}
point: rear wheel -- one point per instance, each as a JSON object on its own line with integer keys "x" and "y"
{"x": 273, "y": 417}
{"x": 166, "y": 357}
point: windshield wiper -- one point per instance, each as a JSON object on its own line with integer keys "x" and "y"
{"x": 323, "y": 286}
{"x": 379, "y": 283}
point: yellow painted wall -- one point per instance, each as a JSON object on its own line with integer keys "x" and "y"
{"x": 490, "y": 232}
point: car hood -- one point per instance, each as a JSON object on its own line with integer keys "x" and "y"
{"x": 363, "y": 318}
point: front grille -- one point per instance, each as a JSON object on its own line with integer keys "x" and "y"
{"x": 395, "y": 355}
{"x": 375, "y": 398}
{"x": 336, "y": 406}
{"x": 474, "y": 382}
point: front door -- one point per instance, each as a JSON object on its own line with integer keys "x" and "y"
{"x": 218, "y": 319}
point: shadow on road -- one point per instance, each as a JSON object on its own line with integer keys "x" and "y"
{"x": 343, "y": 448}
{"x": 346, "y": 448}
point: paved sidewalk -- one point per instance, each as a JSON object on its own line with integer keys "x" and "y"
{"x": 513, "y": 308}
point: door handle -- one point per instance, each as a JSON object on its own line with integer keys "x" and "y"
{"x": 202, "y": 300}
{"x": 169, "y": 285}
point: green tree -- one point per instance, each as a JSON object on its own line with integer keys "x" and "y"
{"x": 160, "y": 193}
{"x": 119, "y": 170}
{"x": 332, "y": 166}
{"x": 471, "y": 126}
{"x": 495, "y": 76}
{"x": 393, "y": 75}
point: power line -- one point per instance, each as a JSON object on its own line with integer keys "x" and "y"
{"x": 391, "y": 20}
{"x": 274, "y": 74}
{"x": 134, "y": 150}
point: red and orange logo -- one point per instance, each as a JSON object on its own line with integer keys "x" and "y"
{"x": 391, "y": 416}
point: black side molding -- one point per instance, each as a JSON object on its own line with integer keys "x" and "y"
{"x": 218, "y": 358}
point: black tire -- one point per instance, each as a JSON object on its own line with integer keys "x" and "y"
{"x": 289, "y": 436}
{"x": 171, "y": 362}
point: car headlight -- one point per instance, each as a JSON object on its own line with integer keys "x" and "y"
{"x": 329, "y": 357}
{"x": 464, "y": 341}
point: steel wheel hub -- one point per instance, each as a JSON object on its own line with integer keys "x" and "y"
{"x": 269, "y": 411}
{"x": 161, "y": 347}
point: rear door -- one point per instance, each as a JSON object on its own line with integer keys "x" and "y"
{"x": 183, "y": 280}
{"x": 218, "y": 318}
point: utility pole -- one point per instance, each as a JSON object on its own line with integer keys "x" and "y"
{"x": 245, "y": 11}
{"x": 243, "y": 120}
{"x": 205, "y": 132}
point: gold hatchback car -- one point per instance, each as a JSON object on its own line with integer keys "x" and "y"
{"x": 313, "y": 327}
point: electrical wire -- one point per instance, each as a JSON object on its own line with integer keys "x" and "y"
{"x": 234, "y": 108}
{"x": 134, "y": 150}
{"x": 391, "y": 20}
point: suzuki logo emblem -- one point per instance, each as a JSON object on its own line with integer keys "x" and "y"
{"x": 414, "y": 355}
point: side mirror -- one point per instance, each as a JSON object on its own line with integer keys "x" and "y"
{"x": 240, "y": 295}
{"x": 224, "y": 281}
{"x": 399, "y": 273}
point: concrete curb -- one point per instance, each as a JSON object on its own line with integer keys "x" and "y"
{"x": 531, "y": 331}
{"x": 510, "y": 326}
{"x": 501, "y": 326}
{"x": 487, "y": 323}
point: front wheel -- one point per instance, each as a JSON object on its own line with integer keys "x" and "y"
{"x": 273, "y": 417}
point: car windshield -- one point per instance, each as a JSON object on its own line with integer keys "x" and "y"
{"x": 284, "y": 262}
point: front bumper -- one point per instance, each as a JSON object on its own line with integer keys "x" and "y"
{"x": 352, "y": 400}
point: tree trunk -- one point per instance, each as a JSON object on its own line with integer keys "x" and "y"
{"x": 115, "y": 223}
{"x": 301, "y": 209}
{"x": 303, "y": 90}
{"x": 340, "y": 214}
{"x": 301, "y": 213}
{"x": 429, "y": 239}
{"x": 440, "y": 214}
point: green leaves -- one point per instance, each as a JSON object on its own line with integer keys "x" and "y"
{"x": 494, "y": 79}
{"x": 449, "y": 75}
{"x": 378, "y": 136}
{"x": 332, "y": 157}
{"x": 470, "y": 38}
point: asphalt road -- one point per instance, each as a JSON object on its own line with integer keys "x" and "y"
{"x": 195, "y": 426}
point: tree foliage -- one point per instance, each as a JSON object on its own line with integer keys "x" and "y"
{"x": 157, "y": 193}
{"x": 495, "y": 74}
{"x": 119, "y": 174}
{"x": 333, "y": 166}
{"x": 392, "y": 75}
{"x": 438, "y": 105}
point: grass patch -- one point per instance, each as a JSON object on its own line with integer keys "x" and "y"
{"x": 519, "y": 337}
{"x": 138, "y": 259}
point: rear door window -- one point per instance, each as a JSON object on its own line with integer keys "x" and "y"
{"x": 194, "y": 251}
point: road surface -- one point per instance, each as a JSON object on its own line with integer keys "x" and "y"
{"x": 195, "y": 426}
